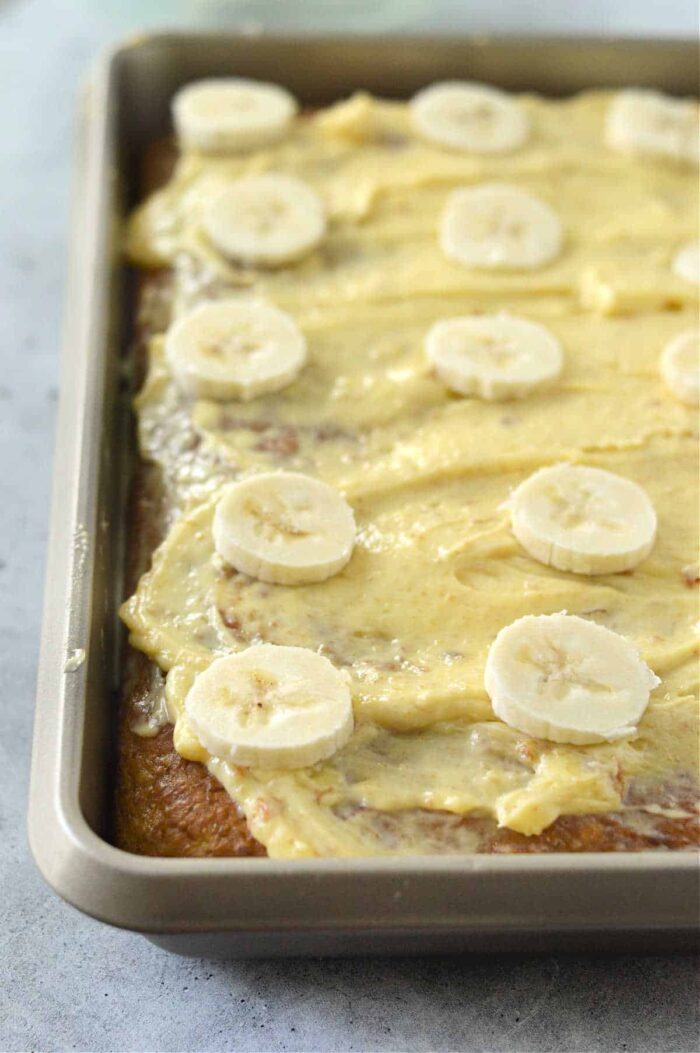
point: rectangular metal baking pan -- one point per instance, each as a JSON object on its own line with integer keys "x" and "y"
{"x": 253, "y": 907}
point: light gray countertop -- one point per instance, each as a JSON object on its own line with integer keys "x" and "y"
{"x": 67, "y": 982}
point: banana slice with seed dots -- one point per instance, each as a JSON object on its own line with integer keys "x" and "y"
{"x": 680, "y": 367}
{"x": 562, "y": 678}
{"x": 582, "y": 519}
{"x": 231, "y": 114}
{"x": 268, "y": 219}
{"x": 284, "y": 527}
{"x": 686, "y": 262}
{"x": 470, "y": 117}
{"x": 231, "y": 349}
{"x": 650, "y": 124}
{"x": 493, "y": 356}
{"x": 495, "y": 226}
{"x": 271, "y": 707}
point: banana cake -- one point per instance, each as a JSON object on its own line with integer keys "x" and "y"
{"x": 413, "y": 560}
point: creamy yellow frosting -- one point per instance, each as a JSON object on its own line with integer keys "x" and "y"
{"x": 436, "y": 572}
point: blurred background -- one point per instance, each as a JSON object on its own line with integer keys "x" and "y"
{"x": 648, "y": 17}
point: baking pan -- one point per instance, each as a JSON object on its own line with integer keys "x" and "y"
{"x": 237, "y": 907}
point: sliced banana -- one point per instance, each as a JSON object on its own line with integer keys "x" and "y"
{"x": 496, "y": 226}
{"x": 686, "y": 262}
{"x": 284, "y": 527}
{"x": 471, "y": 117}
{"x": 680, "y": 367}
{"x": 271, "y": 707}
{"x": 649, "y": 124}
{"x": 268, "y": 219}
{"x": 562, "y": 678}
{"x": 493, "y": 356}
{"x": 231, "y": 349}
{"x": 231, "y": 114}
{"x": 584, "y": 520}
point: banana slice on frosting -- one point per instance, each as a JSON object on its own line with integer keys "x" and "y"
{"x": 271, "y": 707}
{"x": 231, "y": 114}
{"x": 686, "y": 262}
{"x": 269, "y": 219}
{"x": 493, "y": 356}
{"x": 680, "y": 367}
{"x": 284, "y": 527}
{"x": 496, "y": 226}
{"x": 582, "y": 519}
{"x": 232, "y": 349}
{"x": 649, "y": 124}
{"x": 560, "y": 677}
{"x": 469, "y": 117}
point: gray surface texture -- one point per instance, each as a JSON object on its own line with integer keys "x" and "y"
{"x": 68, "y": 983}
